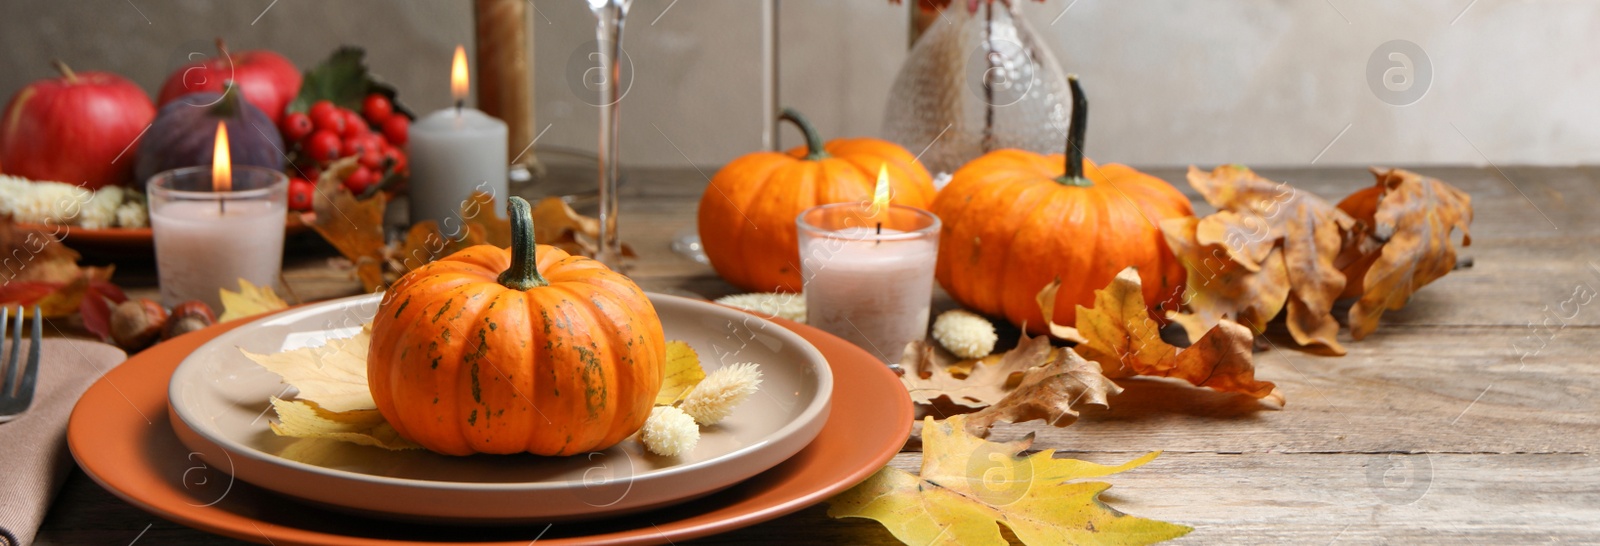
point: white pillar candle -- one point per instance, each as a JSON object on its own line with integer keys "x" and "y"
{"x": 454, "y": 152}
{"x": 869, "y": 287}
{"x": 206, "y": 241}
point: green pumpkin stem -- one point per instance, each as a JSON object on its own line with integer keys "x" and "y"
{"x": 1075, "y": 132}
{"x": 524, "y": 271}
{"x": 814, "y": 148}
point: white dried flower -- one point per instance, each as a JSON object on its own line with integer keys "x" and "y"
{"x": 669, "y": 432}
{"x": 100, "y": 211}
{"x": 965, "y": 334}
{"x": 941, "y": 180}
{"x": 771, "y": 304}
{"x": 133, "y": 214}
{"x": 715, "y": 397}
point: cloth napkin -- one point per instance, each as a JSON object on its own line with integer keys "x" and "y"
{"x": 33, "y": 448}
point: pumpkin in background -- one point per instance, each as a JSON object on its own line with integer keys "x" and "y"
{"x": 526, "y": 349}
{"x": 186, "y": 129}
{"x": 1015, "y": 220}
{"x": 747, "y": 214}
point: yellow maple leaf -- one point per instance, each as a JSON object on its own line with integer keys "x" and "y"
{"x": 249, "y": 301}
{"x": 305, "y": 419}
{"x": 682, "y": 373}
{"x": 968, "y": 487}
{"x": 334, "y": 375}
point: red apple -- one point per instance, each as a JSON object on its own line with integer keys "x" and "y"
{"x": 74, "y": 129}
{"x": 269, "y": 81}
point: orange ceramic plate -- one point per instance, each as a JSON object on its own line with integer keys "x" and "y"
{"x": 121, "y": 436}
{"x": 121, "y": 241}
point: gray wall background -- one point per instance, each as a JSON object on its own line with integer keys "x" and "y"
{"x": 1263, "y": 82}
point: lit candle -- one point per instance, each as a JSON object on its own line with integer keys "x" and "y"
{"x": 215, "y": 225}
{"x": 868, "y": 271}
{"x": 455, "y": 152}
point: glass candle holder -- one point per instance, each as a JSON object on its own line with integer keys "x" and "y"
{"x": 207, "y": 240}
{"x": 869, "y": 277}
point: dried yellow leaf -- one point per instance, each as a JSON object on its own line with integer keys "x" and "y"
{"x": 249, "y": 301}
{"x": 968, "y": 487}
{"x": 682, "y": 374}
{"x": 334, "y": 376}
{"x": 306, "y": 419}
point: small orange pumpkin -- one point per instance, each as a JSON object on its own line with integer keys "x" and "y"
{"x": 747, "y": 214}
{"x": 493, "y": 350}
{"x": 1016, "y": 220}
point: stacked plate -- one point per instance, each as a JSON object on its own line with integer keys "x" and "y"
{"x": 780, "y": 451}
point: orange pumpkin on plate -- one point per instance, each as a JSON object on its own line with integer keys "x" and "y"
{"x": 747, "y": 214}
{"x": 1016, "y": 220}
{"x": 526, "y": 349}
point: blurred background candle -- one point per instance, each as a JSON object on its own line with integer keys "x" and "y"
{"x": 453, "y": 153}
{"x": 215, "y": 225}
{"x": 869, "y": 273}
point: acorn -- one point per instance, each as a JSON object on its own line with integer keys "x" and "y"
{"x": 136, "y": 323}
{"x": 187, "y": 317}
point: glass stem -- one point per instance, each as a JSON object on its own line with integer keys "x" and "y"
{"x": 608, "y": 32}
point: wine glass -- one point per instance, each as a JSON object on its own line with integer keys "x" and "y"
{"x": 609, "y": 17}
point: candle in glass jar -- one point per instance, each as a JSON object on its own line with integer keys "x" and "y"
{"x": 871, "y": 286}
{"x": 454, "y": 152}
{"x": 214, "y": 225}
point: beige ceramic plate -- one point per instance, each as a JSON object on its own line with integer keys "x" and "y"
{"x": 219, "y": 409}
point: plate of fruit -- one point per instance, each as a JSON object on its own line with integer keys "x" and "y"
{"x": 77, "y": 148}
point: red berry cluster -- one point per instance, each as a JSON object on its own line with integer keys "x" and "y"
{"x": 326, "y": 132}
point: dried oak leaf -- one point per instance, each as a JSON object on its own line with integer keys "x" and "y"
{"x": 353, "y": 226}
{"x": 1126, "y": 342}
{"x": 1257, "y": 214}
{"x": 932, "y": 374}
{"x": 968, "y": 487}
{"x": 1405, "y": 242}
{"x": 1051, "y": 393}
{"x": 1219, "y": 288}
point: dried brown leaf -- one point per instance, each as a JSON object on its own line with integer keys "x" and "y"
{"x": 1126, "y": 342}
{"x": 932, "y": 374}
{"x": 1256, "y": 215}
{"x": 354, "y": 227}
{"x": 1218, "y": 288}
{"x": 1051, "y": 393}
{"x": 1411, "y": 218}
{"x": 1047, "y": 305}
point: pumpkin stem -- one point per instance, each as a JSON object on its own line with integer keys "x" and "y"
{"x": 814, "y": 149}
{"x": 524, "y": 271}
{"x": 1075, "y": 131}
{"x": 66, "y": 71}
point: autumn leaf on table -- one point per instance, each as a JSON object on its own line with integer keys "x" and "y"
{"x": 249, "y": 301}
{"x": 1256, "y": 214}
{"x": 932, "y": 374}
{"x": 333, "y": 376}
{"x": 1405, "y": 241}
{"x": 41, "y": 271}
{"x": 968, "y": 487}
{"x": 1125, "y": 341}
{"x": 353, "y": 226}
{"x": 1051, "y": 393}
{"x": 1218, "y": 288}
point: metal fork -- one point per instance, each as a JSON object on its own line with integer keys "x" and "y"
{"x": 17, "y": 378}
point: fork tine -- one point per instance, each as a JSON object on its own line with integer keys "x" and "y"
{"x": 15, "y": 360}
{"x": 30, "y": 375}
{"x": 8, "y": 375}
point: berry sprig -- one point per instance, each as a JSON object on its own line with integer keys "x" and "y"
{"x": 326, "y": 132}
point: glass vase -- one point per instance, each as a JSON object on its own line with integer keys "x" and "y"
{"x": 976, "y": 82}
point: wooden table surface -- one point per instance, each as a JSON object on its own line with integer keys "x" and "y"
{"x": 1469, "y": 417}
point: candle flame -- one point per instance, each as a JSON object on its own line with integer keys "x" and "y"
{"x": 458, "y": 75}
{"x": 221, "y": 165}
{"x": 880, "y": 193}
